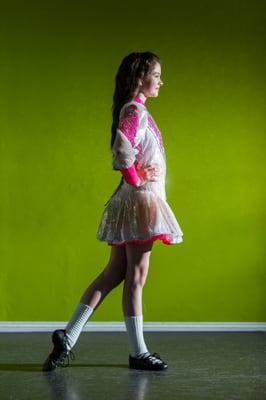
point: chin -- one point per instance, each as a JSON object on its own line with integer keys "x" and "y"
{"x": 154, "y": 94}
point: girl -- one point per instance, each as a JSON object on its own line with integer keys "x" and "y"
{"x": 136, "y": 215}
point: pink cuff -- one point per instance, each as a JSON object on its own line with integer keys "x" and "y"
{"x": 131, "y": 176}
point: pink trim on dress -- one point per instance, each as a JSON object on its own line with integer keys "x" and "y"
{"x": 130, "y": 175}
{"x": 155, "y": 129}
{"x": 138, "y": 100}
{"x": 163, "y": 237}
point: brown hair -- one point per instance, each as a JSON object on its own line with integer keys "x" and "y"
{"x": 133, "y": 68}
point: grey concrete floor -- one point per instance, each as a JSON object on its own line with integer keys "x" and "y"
{"x": 219, "y": 365}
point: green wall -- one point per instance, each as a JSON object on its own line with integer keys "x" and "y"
{"x": 58, "y": 63}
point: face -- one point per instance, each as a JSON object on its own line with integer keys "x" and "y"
{"x": 151, "y": 85}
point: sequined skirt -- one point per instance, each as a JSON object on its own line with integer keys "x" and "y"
{"x": 137, "y": 215}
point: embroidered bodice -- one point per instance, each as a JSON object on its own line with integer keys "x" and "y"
{"x": 138, "y": 141}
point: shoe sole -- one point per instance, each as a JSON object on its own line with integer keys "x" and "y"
{"x": 148, "y": 368}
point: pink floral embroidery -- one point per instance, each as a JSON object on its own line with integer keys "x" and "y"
{"x": 129, "y": 123}
{"x": 156, "y": 131}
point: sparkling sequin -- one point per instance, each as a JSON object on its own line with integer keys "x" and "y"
{"x": 129, "y": 123}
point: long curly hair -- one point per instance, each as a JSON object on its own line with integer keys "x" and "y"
{"x": 133, "y": 68}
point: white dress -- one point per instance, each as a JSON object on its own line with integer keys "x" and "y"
{"x": 138, "y": 214}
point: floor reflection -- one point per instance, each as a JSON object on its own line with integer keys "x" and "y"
{"x": 61, "y": 387}
{"x": 132, "y": 385}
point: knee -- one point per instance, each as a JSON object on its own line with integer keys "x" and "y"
{"x": 137, "y": 279}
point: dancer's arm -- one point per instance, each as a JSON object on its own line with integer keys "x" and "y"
{"x": 131, "y": 124}
{"x": 131, "y": 176}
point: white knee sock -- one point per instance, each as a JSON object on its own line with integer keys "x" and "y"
{"x": 134, "y": 325}
{"x": 76, "y": 323}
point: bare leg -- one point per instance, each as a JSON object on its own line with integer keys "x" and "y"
{"x": 138, "y": 257}
{"x": 137, "y": 270}
{"x": 112, "y": 275}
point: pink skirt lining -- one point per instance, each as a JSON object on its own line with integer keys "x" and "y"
{"x": 164, "y": 238}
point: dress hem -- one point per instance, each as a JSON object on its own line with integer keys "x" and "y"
{"x": 163, "y": 237}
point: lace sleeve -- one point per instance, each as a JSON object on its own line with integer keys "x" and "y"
{"x": 129, "y": 121}
{"x": 124, "y": 151}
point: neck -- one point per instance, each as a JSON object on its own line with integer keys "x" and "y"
{"x": 140, "y": 98}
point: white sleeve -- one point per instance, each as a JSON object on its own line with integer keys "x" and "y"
{"x": 132, "y": 125}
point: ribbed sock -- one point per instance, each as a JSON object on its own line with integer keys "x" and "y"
{"x": 134, "y": 325}
{"x": 76, "y": 323}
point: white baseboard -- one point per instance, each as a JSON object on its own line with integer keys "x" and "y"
{"x": 47, "y": 326}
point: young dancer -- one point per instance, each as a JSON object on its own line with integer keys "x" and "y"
{"x": 135, "y": 216}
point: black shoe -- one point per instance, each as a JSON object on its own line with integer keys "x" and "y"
{"x": 60, "y": 352}
{"x": 151, "y": 362}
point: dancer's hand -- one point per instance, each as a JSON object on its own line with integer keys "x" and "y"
{"x": 149, "y": 173}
